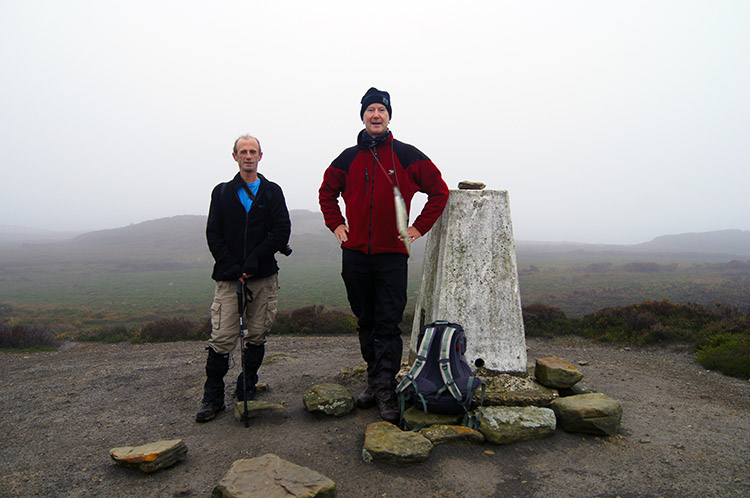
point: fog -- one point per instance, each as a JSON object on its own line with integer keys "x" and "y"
{"x": 610, "y": 122}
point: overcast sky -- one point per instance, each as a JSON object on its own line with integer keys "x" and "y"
{"x": 606, "y": 121}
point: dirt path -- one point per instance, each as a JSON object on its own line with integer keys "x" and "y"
{"x": 684, "y": 430}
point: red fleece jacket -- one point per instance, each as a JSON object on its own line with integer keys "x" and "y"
{"x": 364, "y": 178}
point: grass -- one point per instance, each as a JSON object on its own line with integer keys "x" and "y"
{"x": 147, "y": 300}
{"x": 20, "y": 338}
{"x": 720, "y": 335}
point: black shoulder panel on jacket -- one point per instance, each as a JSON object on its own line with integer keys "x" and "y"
{"x": 408, "y": 154}
{"x": 345, "y": 159}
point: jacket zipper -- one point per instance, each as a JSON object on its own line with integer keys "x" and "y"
{"x": 372, "y": 202}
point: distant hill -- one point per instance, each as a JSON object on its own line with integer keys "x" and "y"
{"x": 182, "y": 239}
{"x": 721, "y": 241}
{"x": 16, "y": 234}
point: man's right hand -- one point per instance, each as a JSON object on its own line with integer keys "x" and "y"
{"x": 341, "y": 233}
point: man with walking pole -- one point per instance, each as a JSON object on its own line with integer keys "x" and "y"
{"x": 248, "y": 222}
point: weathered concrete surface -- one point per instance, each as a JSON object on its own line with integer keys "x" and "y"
{"x": 470, "y": 277}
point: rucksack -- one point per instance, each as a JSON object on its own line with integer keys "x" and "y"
{"x": 441, "y": 380}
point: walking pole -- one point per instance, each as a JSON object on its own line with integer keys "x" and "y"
{"x": 243, "y": 332}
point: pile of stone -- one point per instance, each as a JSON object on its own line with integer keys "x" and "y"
{"x": 514, "y": 409}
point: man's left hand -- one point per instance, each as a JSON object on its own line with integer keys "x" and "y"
{"x": 413, "y": 234}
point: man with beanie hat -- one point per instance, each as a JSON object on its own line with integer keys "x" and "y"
{"x": 374, "y": 254}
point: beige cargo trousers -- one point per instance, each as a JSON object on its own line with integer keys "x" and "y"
{"x": 259, "y": 314}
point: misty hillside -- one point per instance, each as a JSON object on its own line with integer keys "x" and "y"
{"x": 721, "y": 241}
{"x": 182, "y": 239}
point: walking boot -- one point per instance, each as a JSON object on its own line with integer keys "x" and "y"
{"x": 366, "y": 399}
{"x": 253, "y": 359}
{"x": 366, "y": 346}
{"x": 217, "y": 366}
{"x": 386, "y": 401}
{"x": 209, "y": 411}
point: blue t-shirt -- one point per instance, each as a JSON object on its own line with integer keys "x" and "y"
{"x": 244, "y": 198}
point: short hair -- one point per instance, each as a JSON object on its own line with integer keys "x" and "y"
{"x": 247, "y": 137}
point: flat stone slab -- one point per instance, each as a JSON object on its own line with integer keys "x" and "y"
{"x": 556, "y": 372}
{"x": 384, "y": 442}
{"x": 259, "y": 408}
{"x": 150, "y": 457}
{"x": 512, "y": 390}
{"x": 593, "y": 413}
{"x": 467, "y": 185}
{"x": 450, "y": 434}
{"x": 269, "y": 476}
{"x": 331, "y": 399}
{"x": 511, "y": 424}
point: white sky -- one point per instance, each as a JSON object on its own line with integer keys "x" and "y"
{"x": 606, "y": 121}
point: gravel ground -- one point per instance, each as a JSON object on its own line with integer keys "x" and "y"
{"x": 684, "y": 430}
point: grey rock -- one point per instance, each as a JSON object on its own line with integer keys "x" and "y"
{"x": 511, "y": 424}
{"x": 513, "y": 390}
{"x": 442, "y": 434}
{"x": 150, "y": 457}
{"x": 257, "y": 408}
{"x": 593, "y": 413}
{"x": 269, "y": 476}
{"x": 331, "y": 399}
{"x": 576, "y": 389}
{"x": 384, "y": 442}
{"x": 556, "y": 372}
{"x": 466, "y": 185}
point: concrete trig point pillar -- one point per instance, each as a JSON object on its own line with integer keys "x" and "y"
{"x": 470, "y": 277}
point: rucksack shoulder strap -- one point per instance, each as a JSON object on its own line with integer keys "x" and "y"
{"x": 445, "y": 364}
{"x": 419, "y": 363}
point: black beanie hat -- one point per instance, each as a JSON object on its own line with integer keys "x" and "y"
{"x": 373, "y": 96}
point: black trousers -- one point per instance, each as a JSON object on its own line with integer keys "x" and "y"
{"x": 376, "y": 289}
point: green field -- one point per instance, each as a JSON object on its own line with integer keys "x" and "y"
{"x": 74, "y": 297}
{"x": 161, "y": 269}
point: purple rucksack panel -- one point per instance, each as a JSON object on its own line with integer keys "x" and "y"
{"x": 429, "y": 391}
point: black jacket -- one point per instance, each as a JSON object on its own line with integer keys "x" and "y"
{"x": 246, "y": 242}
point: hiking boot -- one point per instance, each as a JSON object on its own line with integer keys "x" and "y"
{"x": 209, "y": 411}
{"x": 366, "y": 399}
{"x": 386, "y": 401}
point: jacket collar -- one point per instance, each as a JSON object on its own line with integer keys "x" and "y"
{"x": 365, "y": 141}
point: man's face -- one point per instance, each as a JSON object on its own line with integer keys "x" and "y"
{"x": 376, "y": 120}
{"x": 248, "y": 155}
